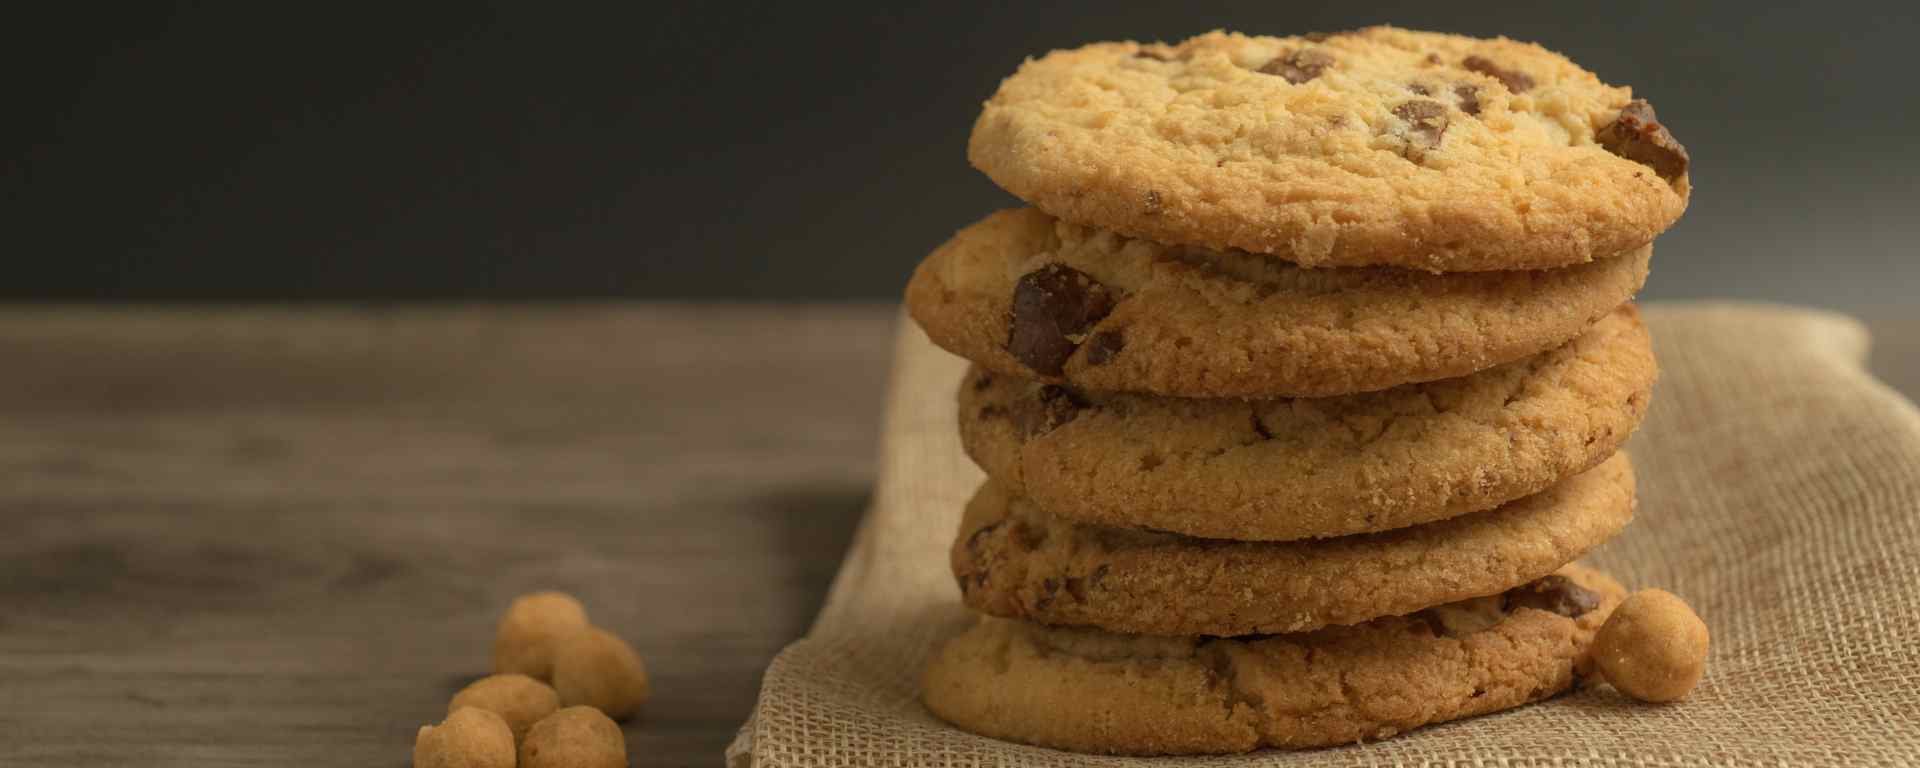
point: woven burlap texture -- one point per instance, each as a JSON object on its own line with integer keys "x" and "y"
{"x": 1780, "y": 485}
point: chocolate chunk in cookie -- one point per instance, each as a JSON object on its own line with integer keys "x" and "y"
{"x": 1514, "y": 80}
{"x": 1048, "y": 588}
{"x": 1103, "y": 346}
{"x": 1426, "y": 121}
{"x": 1469, "y": 95}
{"x": 1053, "y": 308}
{"x": 1637, "y": 135}
{"x": 1298, "y": 66}
{"x": 1054, "y": 406}
{"x": 1554, "y": 594}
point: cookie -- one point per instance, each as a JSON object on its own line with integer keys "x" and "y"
{"x": 1012, "y": 560}
{"x": 1271, "y": 470}
{"x": 1092, "y": 691}
{"x": 1376, "y": 147}
{"x": 1022, "y": 293}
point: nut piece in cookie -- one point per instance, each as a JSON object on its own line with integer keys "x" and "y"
{"x": 468, "y": 738}
{"x": 598, "y": 669}
{"x": 575, "y": 737}
{"x": 528, "y": 632}
{"x": 1653, "y": 647}
{"x": 1637, "y": 135}
{"x": 1053, "y": 308}
{"x": 517, "y": 699}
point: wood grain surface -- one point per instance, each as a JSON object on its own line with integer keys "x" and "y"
{"x": 235, "y": 537}
{"x": 282, "y": 537}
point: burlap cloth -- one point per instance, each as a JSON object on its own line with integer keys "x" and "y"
{"x": 1779, "y": 490}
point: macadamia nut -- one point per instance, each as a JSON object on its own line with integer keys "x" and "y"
{"x": 468, "y": 738}
{"x": 599, "y": 670}
{"x": 517, "y": 699}
{"x": 575, "y": 737}
{"x": 1653, "y": 647}
{"x": 533, "y": 626}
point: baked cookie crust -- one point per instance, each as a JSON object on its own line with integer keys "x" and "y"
{"x": 1012, "y": 560}
{"x": 1093, "y": 691}
{"x": 1276, "y": 470}
{"x": 1375, "y": 147}
{"x": 1025, "y": 294}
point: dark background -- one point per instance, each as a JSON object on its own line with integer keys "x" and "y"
{"x": 739, "y": 151}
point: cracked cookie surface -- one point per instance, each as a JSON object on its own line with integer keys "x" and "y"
{"x": 1378, "y": 146}
{"x": 1093, "y": 691}
{"x": 1014, "y": 561}
{"x": 1273, "y": 470}
{"x": 1025, "y": 294}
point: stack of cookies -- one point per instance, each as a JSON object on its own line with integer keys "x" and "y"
{"x": 1299, "y": 388}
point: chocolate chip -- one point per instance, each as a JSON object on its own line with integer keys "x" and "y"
{"x": 1103, "y": 346}
{"x": 981, "y": 381}
{"x": 1099, "y": 574}
{"x": 1514, "y": 80}
{"x": 1053, "y": 307}
{"x": 1431, "y": 622}
{"x": 1047, "y": 410}
{"x": 1469, "y": 95}
{"x": 1145, "y": 53}
{"x": 1298, "y": 66}
{"x": 1426, "y": 119}
{"x": 1026, "y": 537}
{"x": 1637, "y": 135}
{"x": 1260, "y": 428}
{"x": 1419, "y": 90}
{"x": 1432, "y": 59}
{"x": 1556, "y": 593}
{"x": 973, "y": 541}
{"x": 1048, "y": 588}
{"x": 1077, "y": 589}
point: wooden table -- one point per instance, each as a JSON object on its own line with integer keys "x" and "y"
{"x": 281, "y": 537}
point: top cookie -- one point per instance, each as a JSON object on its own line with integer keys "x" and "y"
{"x": 1379, "y": 146}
